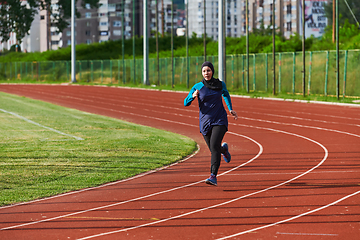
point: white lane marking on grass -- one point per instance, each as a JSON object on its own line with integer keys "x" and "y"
{"x": 38, "y": 124}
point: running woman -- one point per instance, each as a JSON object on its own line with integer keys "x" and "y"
{"x": 212, "y": 116}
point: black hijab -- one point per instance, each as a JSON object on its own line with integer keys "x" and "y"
{"x": 213, "y": 83}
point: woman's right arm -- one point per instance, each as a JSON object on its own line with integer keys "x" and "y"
{"x": 188, "y": 100}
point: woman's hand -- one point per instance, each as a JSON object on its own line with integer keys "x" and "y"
{"x": 195, "y": 94}
{"x": 234, "y": 114}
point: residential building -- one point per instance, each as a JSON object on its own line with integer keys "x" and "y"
{"x": 287, "y": 17}
{"x": 105, "y": 23}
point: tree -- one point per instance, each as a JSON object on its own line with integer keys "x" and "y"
{"x": 344, "y": 11}
{"x": 17, "y": 16}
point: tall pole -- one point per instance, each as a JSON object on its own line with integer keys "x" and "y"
{"x": 162, "y": 18}
{"x": 333, "y": 23}
{"x": 224, "y": 41}
{"x": 187, "y": 44}
{"x": 204, "y": 30}
{"x": 303, "y": 47}
{"x": 146, "y": 44}
{"x": 48, "y": 25}
{"x": 73, "y": 54}
{"x": 157, "y": 41}
{"x": 337, "y": 52}
{"x": 274, "y": 47}
{"x": 133, "y": 31}
{"x": 221, "y": 40}
{"x": 247, "y": 44}
{"x": 123, "y": 39}
{"x": 172, "y": 44}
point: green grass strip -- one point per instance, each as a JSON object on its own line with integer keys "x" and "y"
{"x": 37, "y": 162}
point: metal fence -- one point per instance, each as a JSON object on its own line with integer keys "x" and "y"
{"x": 320, "y": 72}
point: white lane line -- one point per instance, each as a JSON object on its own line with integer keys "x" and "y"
{"x": 298, "y": 125}
{"x": 308, "y": 234}
{"x": 304, "y": 119}
{"x": 96, "y": 98}
{"x": 139, "y": 198}
{"x": 189, "y": 110}
{"x": 230, "y": 201}
{"x": 38, "y": 124}
{"x": 292, "y": 218}
{"x": 278, "y": 173}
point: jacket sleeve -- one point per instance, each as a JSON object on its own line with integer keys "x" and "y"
{"x": 188, "y": 100}
{"x": 226, "y": 96}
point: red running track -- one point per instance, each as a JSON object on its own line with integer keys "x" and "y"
{"x": 294, "y": 174}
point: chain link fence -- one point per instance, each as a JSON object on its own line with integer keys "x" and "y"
{"x": 320, "y": 74}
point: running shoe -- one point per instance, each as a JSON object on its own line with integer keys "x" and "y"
{"x": 226, "y": 155}
{"x": 211, "y": 180}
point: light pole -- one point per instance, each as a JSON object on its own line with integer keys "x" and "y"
{"x": 146, "y": 44}
{"x": 303, "y": 47}
{"x": 221, "y": 40}
{"x": 337, "y": 52}
{"x": 73, "y": 55}
{"x": 274, "y": 47}
{"x": 247, "y": 44}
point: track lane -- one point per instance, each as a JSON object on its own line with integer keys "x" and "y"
{"x": 252, "y": 132}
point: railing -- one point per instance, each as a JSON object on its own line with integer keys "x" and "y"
{"x": 320, "y": 72}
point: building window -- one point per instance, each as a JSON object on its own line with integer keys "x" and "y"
{"x": 112, "y": 7}
{"x": 88, "y": 15}
{"x": 261, "y": 3}
{"x": 118, "y": 7}
{"x": 288, "y": 8}
{"x": 116, "y": 23}
{"x": 117, "y": 32}
{"x": 88, "y": 41}
{"x": 42, "y": 17}
{"x": 288, "y": 26}
{"x": 103, "y": 23}
{"x": 87, "y": 32}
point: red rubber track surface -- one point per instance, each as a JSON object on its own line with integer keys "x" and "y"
{"x": 294, "y": 174}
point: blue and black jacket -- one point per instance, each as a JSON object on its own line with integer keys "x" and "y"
{"x": 211, "y": 108}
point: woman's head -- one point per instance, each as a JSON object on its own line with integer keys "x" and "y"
{"x": 207, "y": 70}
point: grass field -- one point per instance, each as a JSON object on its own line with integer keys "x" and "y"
{"x": 47, "y": 150}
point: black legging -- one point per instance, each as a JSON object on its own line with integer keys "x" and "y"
{"x": 213, "y": 139}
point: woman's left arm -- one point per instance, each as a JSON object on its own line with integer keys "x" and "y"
{"x": 226, "y": 96}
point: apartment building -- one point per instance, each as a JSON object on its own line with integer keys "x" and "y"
{"x": 105, "y": 23}
{"x": 31, "y": 42}
{"x": 287, "y": 17}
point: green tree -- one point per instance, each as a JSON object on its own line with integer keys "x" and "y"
{"x": 17, "y": 16}
{"x": 344, "y": 11}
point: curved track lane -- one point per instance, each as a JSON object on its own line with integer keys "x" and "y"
{"x": 294, "y": 174}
